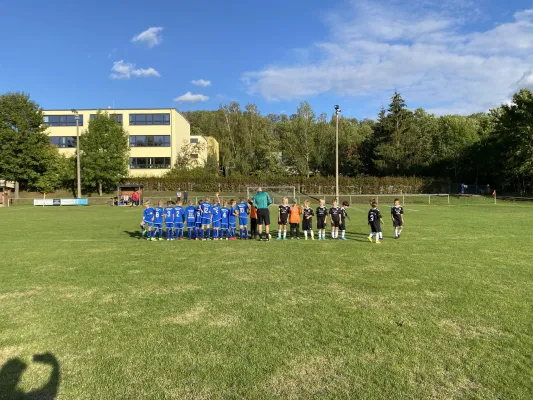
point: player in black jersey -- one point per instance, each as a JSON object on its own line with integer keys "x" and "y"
{"x": 307, "y": 223}
{"x": 397, "y": 218}
{"x": 283, "y": 218}
{"x": 344, "y": 216}
{"x": 374, "y": 220}
{"x": 335, "y": 215}
{"x": 321, "y": 218}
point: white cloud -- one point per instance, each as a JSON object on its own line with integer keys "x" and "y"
{"x": 191, "y": 98}
{"x": 375, "y": 47}
{"x": 122, "y": 70}
{"x": 201, "y": 83}
{"x": 151, "y": 37}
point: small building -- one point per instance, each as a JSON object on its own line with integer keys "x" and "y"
{"x": 156, "y": 136}
{"x": 6, "y": 188}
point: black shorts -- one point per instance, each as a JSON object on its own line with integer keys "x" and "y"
{"x": 343, "y": 226}
{"x": 396, "y": 223}
{"x": 375, "y": 227}
{"x": 263, "y": 216}
{"x": 335, "y": 222}
{"x": 282, "y": 220}
{"x": 320, "y": 224}
{"x": 307, "y": 224}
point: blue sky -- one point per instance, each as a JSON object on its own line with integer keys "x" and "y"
{"x": 445, "y": 56}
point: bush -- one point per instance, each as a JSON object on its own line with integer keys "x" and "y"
{"x": 199, "y": 181}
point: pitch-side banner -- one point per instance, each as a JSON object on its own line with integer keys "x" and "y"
{"x": 60, "y": 202}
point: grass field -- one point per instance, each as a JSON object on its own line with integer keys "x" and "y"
{"x": 444, "y": 313}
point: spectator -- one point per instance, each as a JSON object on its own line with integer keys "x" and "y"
{"x": 135, "y": 198}
{"x": 178, "y": 196}
{"x": 185, "y": 196}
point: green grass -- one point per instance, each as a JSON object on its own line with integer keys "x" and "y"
{"x": 444, "y": 313}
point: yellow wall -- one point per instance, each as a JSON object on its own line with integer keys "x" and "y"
{"x": 179, "y": 131}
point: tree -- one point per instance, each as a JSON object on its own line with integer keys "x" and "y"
{"x": 187, "y": 157}
{"x": 104, "y": 151}
{"x": 299, "y": 145}
{"x": 25, "y": 149}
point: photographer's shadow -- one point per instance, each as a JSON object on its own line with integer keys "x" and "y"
{"x": 11, "y": 374}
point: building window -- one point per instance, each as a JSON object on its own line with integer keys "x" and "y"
{"x": 62, "y": 120}
{"x": 149, "y": 119}
{"x": 194, "y": 155}
{"x": 116, "y": 117}
{"x": 63, "y": 141}
{"x": 150, "y": 141}
{"x": 150, "y": 162}
{"x": 194, "y": 140}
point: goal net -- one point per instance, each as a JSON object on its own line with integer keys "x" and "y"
{"x": 277, "y": 193}
{"x": 385, "y": 199}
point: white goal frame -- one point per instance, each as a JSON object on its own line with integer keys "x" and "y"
{"x": 252, "y": 189}
{"x": 400, "y": 196}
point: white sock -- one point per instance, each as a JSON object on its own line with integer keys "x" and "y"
{"x": 285, "y": 233}
{"x": 305, "y": 234}
{"x": 380, "y": 235}
{"x": 395, "y": 231}
{"x": 399, "y": 231}
{"x": 312, "y": 234}
{"x": 337, "y": 234}
{"x": 342, "y": 233}
{"x": 371, "y": 235}
{"x": 279, "y": 234}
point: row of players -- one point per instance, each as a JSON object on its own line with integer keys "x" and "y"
{"x": 222, "y": 220}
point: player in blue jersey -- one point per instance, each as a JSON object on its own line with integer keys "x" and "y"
{"x": 206, "y": 210}
{"x": 224, "y": 221}
{"x": 148, "y": 220}
{"x": 190, "y": 215}
{"x": 217, "y": 217}
{"x": 198, "y": 223}
{"x": 170, "y": 214}
{"x": 232, "y": 221}
{"x": 179, "y": 221}
{"x": 158, "y": 221}
{"x": 243, "y": 210}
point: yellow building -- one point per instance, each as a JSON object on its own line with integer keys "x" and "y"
{"x": 157, "y": 135}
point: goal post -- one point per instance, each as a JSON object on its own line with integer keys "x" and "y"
{"x": 388, "y": 199}
{"x": 276, "y": 192}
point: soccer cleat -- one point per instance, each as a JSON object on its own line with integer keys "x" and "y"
{"x": 278, "y": 238}
{"x": 344, "y": 238}
{"x": 369, "y": 239}
{"x": 378, "y": 242}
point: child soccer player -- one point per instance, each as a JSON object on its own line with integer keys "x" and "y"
{"x": 158, "y": 221}
{"x": 253, "y": 219}
{"x": 307, "y": 223}
{"x": 148, "y": 220}
{"x": 243, "y": 210}
{"x": 374, "y": 220}
{"x": 170, "y": 214}
{"x": 224, "y": 220}
{"x": 321, "y": 220}
{"x": 344, "y": 216}
{"x": 190, "y": 213}
{"x": 233, "y": 213}
{"x": 206, "y": 210}
{"x": 397, "y": 218}
{"x": 217, "y": 217}
{"x": 198, "y": 223}
{"x": 294, "y": 220}
{"x": 283, "y": 218}
{"x": 179, "y": 220}
{"x": 335, "y": 215}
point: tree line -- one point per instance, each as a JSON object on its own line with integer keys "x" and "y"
{"x": 494, "y": 148}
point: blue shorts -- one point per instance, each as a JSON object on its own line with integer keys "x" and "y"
{"x": 169, "y": 225}
{"x": 148, "y": 223}
{"x": 198, "y": 224}
{"x": 243, "y": 221}
{"x": 216, "y": 224}
{"x": 158, "y": 225}
{"x": 206, "y": 221}
{"x": 178, "y": 225}
{"x": 232, "y": 224}
{"x": 224, "y": 225}
{"x": 191, "y": 223}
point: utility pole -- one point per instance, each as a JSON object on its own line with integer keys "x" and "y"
{"x": 78, "y": 168}
{"x": 337, "y": 112}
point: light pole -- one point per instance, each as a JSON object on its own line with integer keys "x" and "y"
{"x": 78, "y": 169}
{"x": 337, "y": 112}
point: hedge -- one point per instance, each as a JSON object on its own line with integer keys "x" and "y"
{"x": 314, "y": 185}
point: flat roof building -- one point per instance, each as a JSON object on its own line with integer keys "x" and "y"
{"x": 156, "y": 136}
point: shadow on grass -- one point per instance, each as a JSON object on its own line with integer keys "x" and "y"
{"x": 134, "y": 234}
{"x": 11, "y": 374}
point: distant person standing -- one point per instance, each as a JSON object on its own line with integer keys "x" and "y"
{"x": 178, "y": 196}
{"x": 185, "y": 196}
{"x": 261, "y": 201}
{"x": 135, "y": 198}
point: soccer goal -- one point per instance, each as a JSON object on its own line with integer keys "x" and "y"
{"x": 276, "y": 192}
{"x": 386, "y": 199}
